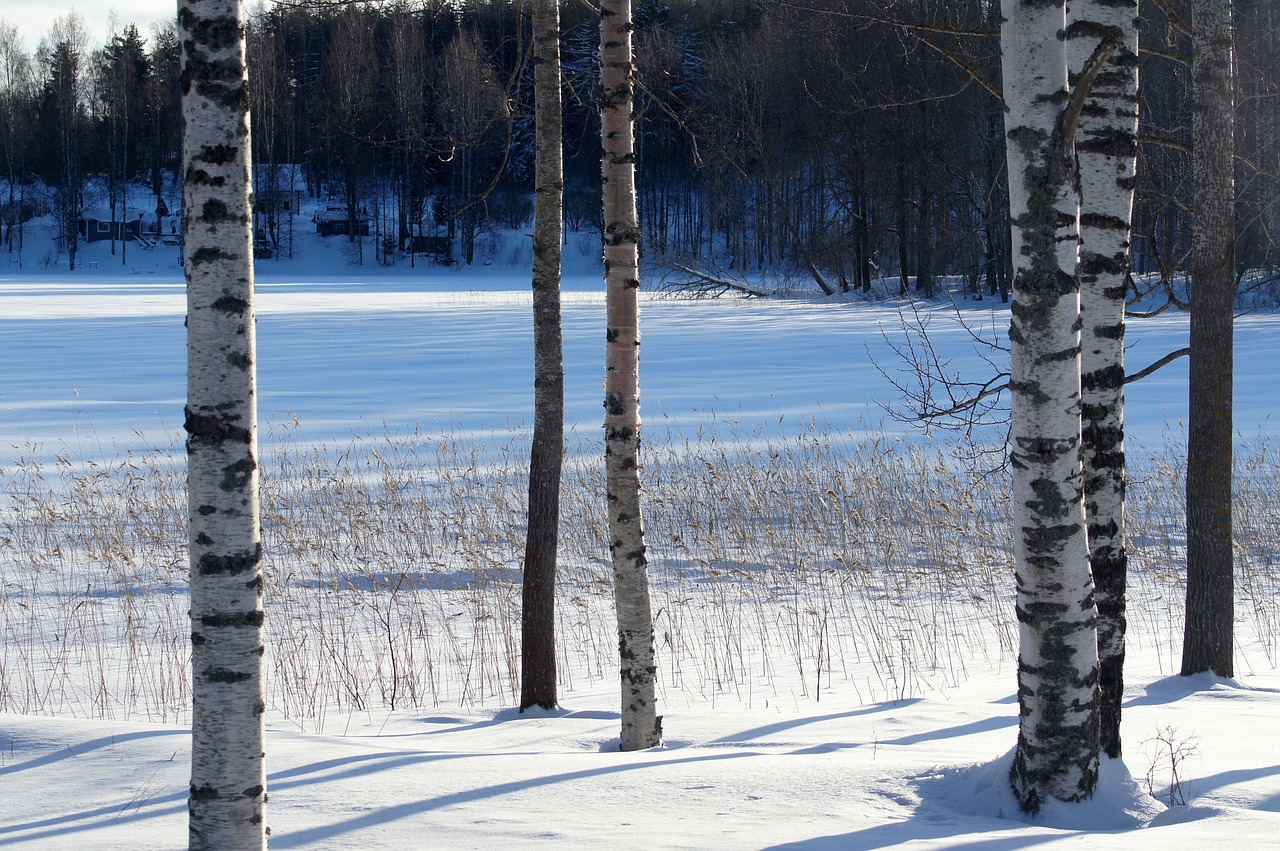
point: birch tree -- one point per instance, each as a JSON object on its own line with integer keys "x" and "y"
{"x": 1107, "y": 152}
{"x": 537, "y": 637}
{"x": 1057, "y": 750}
{"x": 641, "y": 725}
{"x": 17, "y": 93}
{"x": 1207, "y": 637}
{"x": 228, "y": 779}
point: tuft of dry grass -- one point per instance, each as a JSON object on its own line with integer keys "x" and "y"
{"x": 783, "y": 563}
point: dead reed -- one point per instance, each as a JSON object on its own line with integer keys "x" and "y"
{"x": 784, "y": 563}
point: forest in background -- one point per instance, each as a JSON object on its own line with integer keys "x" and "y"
{"x": 834, "y": 140}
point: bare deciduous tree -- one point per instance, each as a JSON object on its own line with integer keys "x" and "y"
{"x": 1107, "y": 151}
{"x": 1057, "y": 751}
{"x": 228, "y": 776}
{"x": 641, "y": 725}
{"x": 1207, "y": 638}
{"x": 538, "y": 641}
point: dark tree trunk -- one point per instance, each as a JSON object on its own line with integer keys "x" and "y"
{"x": 1207, "y": 636}
{"x": 538, "y": 621}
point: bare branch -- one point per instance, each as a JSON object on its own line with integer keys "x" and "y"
{"x": 1164, "y": 361}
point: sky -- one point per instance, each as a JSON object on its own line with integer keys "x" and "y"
{"x": 33, "y": 19}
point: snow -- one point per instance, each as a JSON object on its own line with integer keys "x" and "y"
{"x": 94, "y": 367}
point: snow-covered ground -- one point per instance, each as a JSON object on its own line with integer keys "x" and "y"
{"x": 94, "y": 369}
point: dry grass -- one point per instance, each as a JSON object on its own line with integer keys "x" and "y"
{"x": 782, "y": 564}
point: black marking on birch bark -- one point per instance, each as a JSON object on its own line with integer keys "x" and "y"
{"x": 200, "y": 177}
{"x": 1108, "y": 377}
{"x": 210, "y": 564}
{"x": 226, "y": 676}
{"x": 218, "y": 155}
{"x": 204, "y": 540}
{"x": 215, "y": 211}
{"x": 1105, "y": 458}
{"x": 614, "y": 404}
{"x": 622, "y": 234}
{"x": 233, "y": 621}
{"x": 634, "y": 674}
{"x": 1032, "y": 390}
{"x": 1102, "y": 222}
{"x": 207, "y": 430}
{"x": 1063, "y": 355}
{"x": 1029, "y": 138}
{"x": 204, "y": 793}
{"x": 198, "y": 640}
{"x": 1049, "y": 501}
{"x": 210, "y": 255}
{"x": 220, "y": 81}
{"x": 231, "y": 305}
{"x": 239, "y": 360}
{"x": 1044, "y": 545}
{"x": 625, "y": 435}
{"x": 218, "y": 33}
{"x": 206, "y": 510}
{"x": 1092, "y": 266}
{"x": 253, "y": 791}
{"x": 1112, "y": 143}
{"x": 1093, "y": 30}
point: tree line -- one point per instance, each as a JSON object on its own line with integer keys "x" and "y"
{"x": 834, "y": 140}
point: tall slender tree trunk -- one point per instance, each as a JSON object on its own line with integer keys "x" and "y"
{"x": 228, "y": 778}
{"x": 641, "y": 725}
{"x": 1207, "y": 637}
{"x": 538, "y": 641}
{"x": 1057, "y": 751}
{"x": 1107, "y": 152}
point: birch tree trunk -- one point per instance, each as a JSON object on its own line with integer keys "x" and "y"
{"x": 228, "y": 778}
{"x": 1207, "y": 636}
{"x": 641, "y": 725}
{"x": 1057, "y": 751}
{"x": 537, "y": 637}
{"x": 1107, "y": 153}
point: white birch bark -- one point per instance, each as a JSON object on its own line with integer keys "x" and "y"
{"x": 641, "y": 725}
{"x": 1057, "y": 752}
{"x": 1107, "y": 152}
{"x": 228, "y": 778}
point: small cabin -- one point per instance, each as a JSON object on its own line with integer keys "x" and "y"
{"x": 334, "y": 220}
{"x": 97, "y": 226}
{"x": 438, "y": 247}
{"x": 278, "y": 188}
